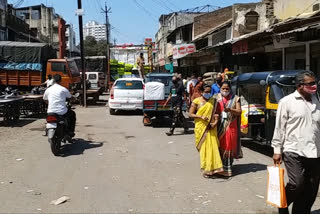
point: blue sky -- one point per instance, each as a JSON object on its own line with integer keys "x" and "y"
{"x": 130, "y": 23}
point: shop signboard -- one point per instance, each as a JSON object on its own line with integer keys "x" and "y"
{"x": 183, "y": 50}
{"x": 240, "y": 47}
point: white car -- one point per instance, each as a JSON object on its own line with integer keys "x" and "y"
{"x": 126, "y": 94}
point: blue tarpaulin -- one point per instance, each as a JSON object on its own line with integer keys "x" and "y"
{"x": 21, "y": 66}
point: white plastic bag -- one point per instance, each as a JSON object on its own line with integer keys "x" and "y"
{"x": 276, "y": 195}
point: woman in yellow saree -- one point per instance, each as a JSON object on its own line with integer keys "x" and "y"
{"x": 203, "y": 111}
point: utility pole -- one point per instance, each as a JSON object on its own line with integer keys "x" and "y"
{"x": 107, "y": 10}
{"x": 84, "y": 90}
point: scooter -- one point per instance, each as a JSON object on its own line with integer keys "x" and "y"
{"x": 57, "y": 129}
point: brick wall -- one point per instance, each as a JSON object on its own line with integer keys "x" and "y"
{"x": 208, "y": 21}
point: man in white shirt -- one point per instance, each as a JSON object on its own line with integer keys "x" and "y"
{"x": 296, "y": 139}
{"x": 49, "y": 81}
{"x": 56, "y": 96}
{"x": 193, "y": 81}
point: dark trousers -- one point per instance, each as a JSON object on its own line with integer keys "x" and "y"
{"x": 303, "y": 185}
{"x": 71, "y": 120}
{"x": 178, "y": 118}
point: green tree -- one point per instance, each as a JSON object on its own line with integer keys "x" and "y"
{"x": 90, "y": 45}
{"x": 95, "y": 48}
{"x": 102, "y": 48}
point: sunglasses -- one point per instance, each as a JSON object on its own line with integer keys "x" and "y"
{"x": 309, "y": 83}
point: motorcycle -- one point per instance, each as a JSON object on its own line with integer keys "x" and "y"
{"x": 38, "y": 90}
{"x": 57, "y": 129}
{"x": 9, "y": 93}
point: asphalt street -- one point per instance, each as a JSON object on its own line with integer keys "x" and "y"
{"x": 117, "y": 165}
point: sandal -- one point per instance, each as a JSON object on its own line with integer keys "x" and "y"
{"x": 206, "y": 176}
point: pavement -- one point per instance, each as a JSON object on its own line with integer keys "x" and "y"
{"x": 117, "y": 165}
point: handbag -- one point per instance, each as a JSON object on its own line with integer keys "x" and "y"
{"x": 276, "y": 194}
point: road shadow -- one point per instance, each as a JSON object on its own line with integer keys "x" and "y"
{"x": 78, "y": 147}
{"x": 129, "y": 113}
{"x": 166, "y": 122}
{"x": 18, "y": 124}
{"x": 240, "y": 169}
{"x": 99, "y": 103}
{"x": 316, "y": 211}
{"x": 262, "y": 149}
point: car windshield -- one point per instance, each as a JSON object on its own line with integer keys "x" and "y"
{"x": 164, "y": 79}
{"x": 129, "y": 84}
{"x": 92, "y": 76}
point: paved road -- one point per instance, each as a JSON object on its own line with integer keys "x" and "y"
{"x": 117, "y": 165}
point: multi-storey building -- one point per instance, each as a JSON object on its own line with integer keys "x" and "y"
{"x": 3, "y": 11}
{"x": 93, "y": 28}
{"x": 71, "y": 40}
{"x": 42, "y": 20}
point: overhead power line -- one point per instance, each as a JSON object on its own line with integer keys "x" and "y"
{"x": 163, "y": 5}
{"x": 173, "y": 4}
{"x": 205, "y": 8}
{"x": 145, "y": 10}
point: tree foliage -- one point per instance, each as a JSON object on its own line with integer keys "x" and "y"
{"x": 95, "y": 48}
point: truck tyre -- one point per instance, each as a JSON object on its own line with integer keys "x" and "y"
{"x": 112, "y": 111}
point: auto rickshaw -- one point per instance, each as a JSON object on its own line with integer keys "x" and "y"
{"x": 260, "y": 93}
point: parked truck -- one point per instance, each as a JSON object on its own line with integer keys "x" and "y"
{"x": 26, "y": 65}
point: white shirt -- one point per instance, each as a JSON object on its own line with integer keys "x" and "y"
{"x": 297, "y": 127}
{"x": 49, "y": 82}
{"x": 56, "y": 96}
{"x": 193, "y": 82}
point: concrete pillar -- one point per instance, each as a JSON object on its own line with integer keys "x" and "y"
{"x": 283, "y": 59}
{"x": 308, "y": 61}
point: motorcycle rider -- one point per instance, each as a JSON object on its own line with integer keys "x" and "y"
{"x": 56, "y": 95}
{"x": 49, "y": 82}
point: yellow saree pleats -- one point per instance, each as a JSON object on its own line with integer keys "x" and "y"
{"x": 207, "y": 141}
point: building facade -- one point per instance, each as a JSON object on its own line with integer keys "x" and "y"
{"x": 3, "y": 12}
{"x": 96, "y": 30}
{"x": 43, "y": 21}
{"x": 71, "y": 40}
{"x": 174, "y": 28}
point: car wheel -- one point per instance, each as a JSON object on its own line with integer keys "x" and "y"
{"x": 112, "y": 111}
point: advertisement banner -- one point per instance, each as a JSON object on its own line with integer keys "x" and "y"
{"x": 183, "y": 50}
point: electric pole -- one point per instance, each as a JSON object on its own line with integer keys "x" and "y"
{"x": 107, "y": 10}
{"x": 84, "y": 90}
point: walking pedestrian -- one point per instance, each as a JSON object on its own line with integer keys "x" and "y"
{"x": 197, "y": 90}
{"x": 296, "y": 140}
{"x": 203, "y": 110}
{"x": 215, "y": 88}
{"x": 177, "y": 93}
{"x": 190, "y": 86}
{"x": 228, "y": 130}
{"x": 140, "y": 63}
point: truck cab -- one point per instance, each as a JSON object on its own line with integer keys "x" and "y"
{"x": 68, "y": 70}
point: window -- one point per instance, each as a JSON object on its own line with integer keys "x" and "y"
{"x": 58, "y": 67}
{"x": 251, "y": 23}
{"x": 92, "y": 76}
{"x": 129, "y": 84}
{"x": 164, "y": 80}
{"x": 102, "y": 76}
